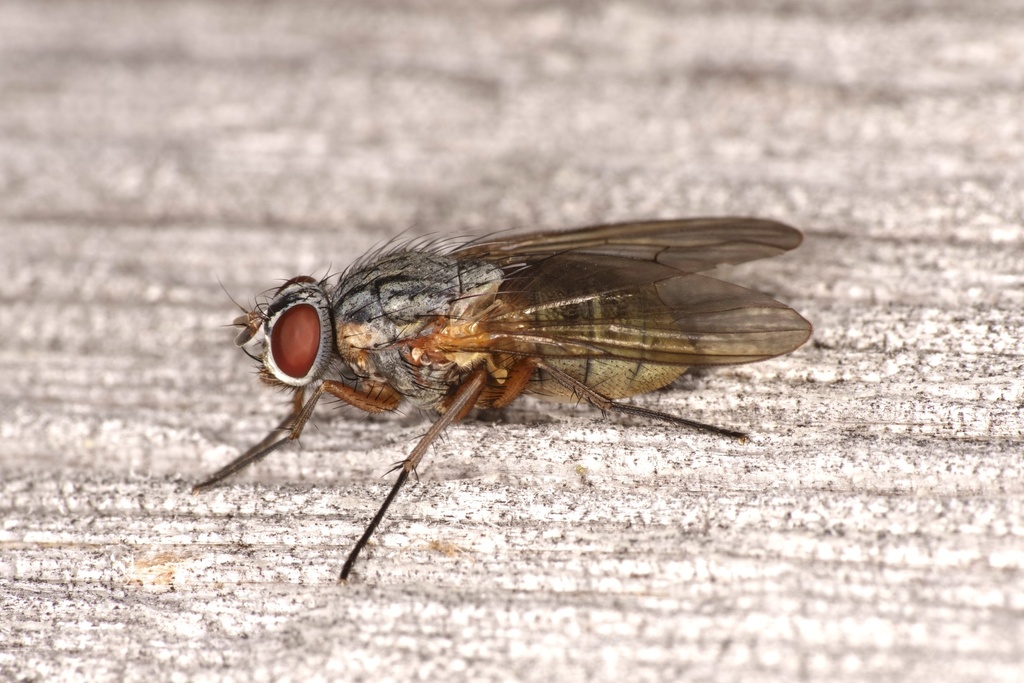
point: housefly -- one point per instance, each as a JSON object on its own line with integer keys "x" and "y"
{"x": 592, "y": 315}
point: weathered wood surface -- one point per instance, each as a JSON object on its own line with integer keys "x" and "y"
{"x": 872, "y": 529}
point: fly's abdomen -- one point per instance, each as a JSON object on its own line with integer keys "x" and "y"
{"x": 614, "y": 338}
{"x": 608, "y": 341}
{"x": 611, "y": 378}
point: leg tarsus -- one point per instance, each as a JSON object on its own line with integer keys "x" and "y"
{"x": 630, "y": 409}
{"x": 279, "y": 436}
{"x": 350, "y": 562}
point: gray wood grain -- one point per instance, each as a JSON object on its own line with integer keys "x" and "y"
{"x": 873, "y": 528}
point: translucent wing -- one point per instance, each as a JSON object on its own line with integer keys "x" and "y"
{"x": 690, "y": 245}
{"x": 592, "y": 305}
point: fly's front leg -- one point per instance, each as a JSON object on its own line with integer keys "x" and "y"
{"x": 278, "y": 436}
{"x": 372, "y": 399}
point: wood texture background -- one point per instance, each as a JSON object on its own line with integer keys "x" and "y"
{"x": 872, "y": 529}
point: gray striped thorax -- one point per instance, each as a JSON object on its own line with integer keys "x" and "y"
{"x": 384, "y": 309}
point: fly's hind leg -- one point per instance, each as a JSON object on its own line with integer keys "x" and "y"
{"x": 604, "y": 403}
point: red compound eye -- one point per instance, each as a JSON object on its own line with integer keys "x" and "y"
{"x": 295, "y": 340}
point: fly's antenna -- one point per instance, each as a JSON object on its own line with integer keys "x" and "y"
{"x": 232, "y": 299}
{"x": 250, "y": 322}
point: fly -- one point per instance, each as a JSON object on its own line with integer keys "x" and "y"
{"x": 595, "y": 314}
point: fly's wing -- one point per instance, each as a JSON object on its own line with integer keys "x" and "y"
{"x": 584, "y": 305}
{"x": 691, "y": 245}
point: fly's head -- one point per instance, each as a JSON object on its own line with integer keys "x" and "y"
{"x": 297, "y": 333}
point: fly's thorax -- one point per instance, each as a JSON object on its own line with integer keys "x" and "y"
{"x": 403, "y": 295}
{"x": 297, "y": 332}
{"x": 390, "y": 314}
